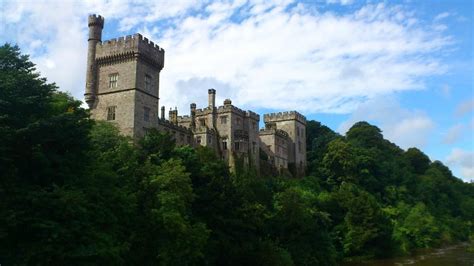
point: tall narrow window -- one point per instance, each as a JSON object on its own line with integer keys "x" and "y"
{"x": 147, "y": 82}
{"x": 111, "y": 113}
{"x": 237, "y": 146}
{"x": 113, "y": 79}
{"x": 146, "y": 114}
{"x": 224, "y": 144}
{"x": 198, "y": 140}
{"x": 224, "y": 119}
{"x": 202, "y": 122}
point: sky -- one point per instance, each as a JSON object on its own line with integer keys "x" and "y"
{"x": 404, "y": 66}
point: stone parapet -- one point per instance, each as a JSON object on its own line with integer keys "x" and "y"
{"x": 95, "y": 20}
{"x": 203, "y": 111}
{"x": 252, "y": 115}
{"x": 230, "y": 108}
{"x": 131, "y": 46}
{"x": 184, "y": 118}
{"x": 282, "y": 116}
{"x": 168, "y": 124}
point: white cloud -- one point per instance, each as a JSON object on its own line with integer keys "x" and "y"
{"x": 406, "y": 128}
{"x": 54, "y": 36}
{"x": 341, "y": 2}
{"x": 269, "y": 54}
{"x": 460, "y": 158}
{"x": 442, "y": 16}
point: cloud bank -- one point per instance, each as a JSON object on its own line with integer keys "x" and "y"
{"x": 464, "y": 160}
{"x": 407, "y": 128}
{"x": 274, "y": 55}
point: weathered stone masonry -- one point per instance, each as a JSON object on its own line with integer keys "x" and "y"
{"x": 122, "y": 87}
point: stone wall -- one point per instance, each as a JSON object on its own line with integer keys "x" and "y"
{"x": 124, "y": 112}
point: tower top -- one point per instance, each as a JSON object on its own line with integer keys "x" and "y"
{"x": 283, "y": 116}
{"x": 96, "y": 20}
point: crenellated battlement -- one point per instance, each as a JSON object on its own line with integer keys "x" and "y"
{"x": 130, "y": 46}
{"x": 184, "y": 118}
{"x": 281, "y": 116}
{"x": 133, "y": 63}
{"x": 96, "y": 20}
{"x": 203, "y": 111}
{"x": 168, "y": 124}
{"x": 252, "y": 115}
{"x": 231, "y": 108}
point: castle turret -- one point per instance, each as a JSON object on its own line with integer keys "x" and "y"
{"x": 173, "y": 116}
{"x": 162, "y": 113}
{"x": 96, "y": 24}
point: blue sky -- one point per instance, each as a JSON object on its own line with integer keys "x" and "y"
{"x": 405, "y": 66}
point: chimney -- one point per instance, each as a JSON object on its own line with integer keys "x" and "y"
{"x": 212, "y": 98}
{"x": 162, "y": 113}
{"x": 193, "y": 115}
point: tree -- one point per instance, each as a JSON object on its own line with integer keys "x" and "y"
{"x": 418, "y": 160}
{"x": 339, "y": 162}
{"x": 302, "y": 227}
{"x": 366, "y": 229}
{"x": 43, "y": 133}
{"x": 415, "y": 228}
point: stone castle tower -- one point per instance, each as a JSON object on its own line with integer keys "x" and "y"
{"x": 294, "y": 124}
{"x": 122, "y": 87}
{"x": 122, "y": 82}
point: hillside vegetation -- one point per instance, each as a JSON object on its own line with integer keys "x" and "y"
{"x": 75, "y": 192}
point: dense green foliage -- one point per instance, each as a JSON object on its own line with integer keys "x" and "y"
{"x": 75, "y": 192}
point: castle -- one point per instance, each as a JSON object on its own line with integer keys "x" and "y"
{"x": 122, "y": 86}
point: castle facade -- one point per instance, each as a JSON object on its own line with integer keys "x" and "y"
{"x": 122, "y": 87}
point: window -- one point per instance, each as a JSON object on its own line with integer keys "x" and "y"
{"x": 113, "y": 79}
{"x": 298, "y": 131}
{"x": 209, "y": 140}
{"x": 181, "y": 137}
{"x": 254, "y": 125}
{"x": 237, "y": 146}
{"x": 224, "y": 119}
{"x": 202, "y": 122}
{"x": 254, "y": 146}
{"x": 299, "y": 146}
{"x": 146, "y": 114}
{"x": 147, "y": 82}
{"x": 238, "y": 121}
{"x": 224, "y": 144}
{"x": 111, "y": 113}
{"x": 198, "y": 140}
{"x": 189, "y": 139}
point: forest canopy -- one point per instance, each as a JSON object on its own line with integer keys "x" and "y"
{"x": 73, "y": 192}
